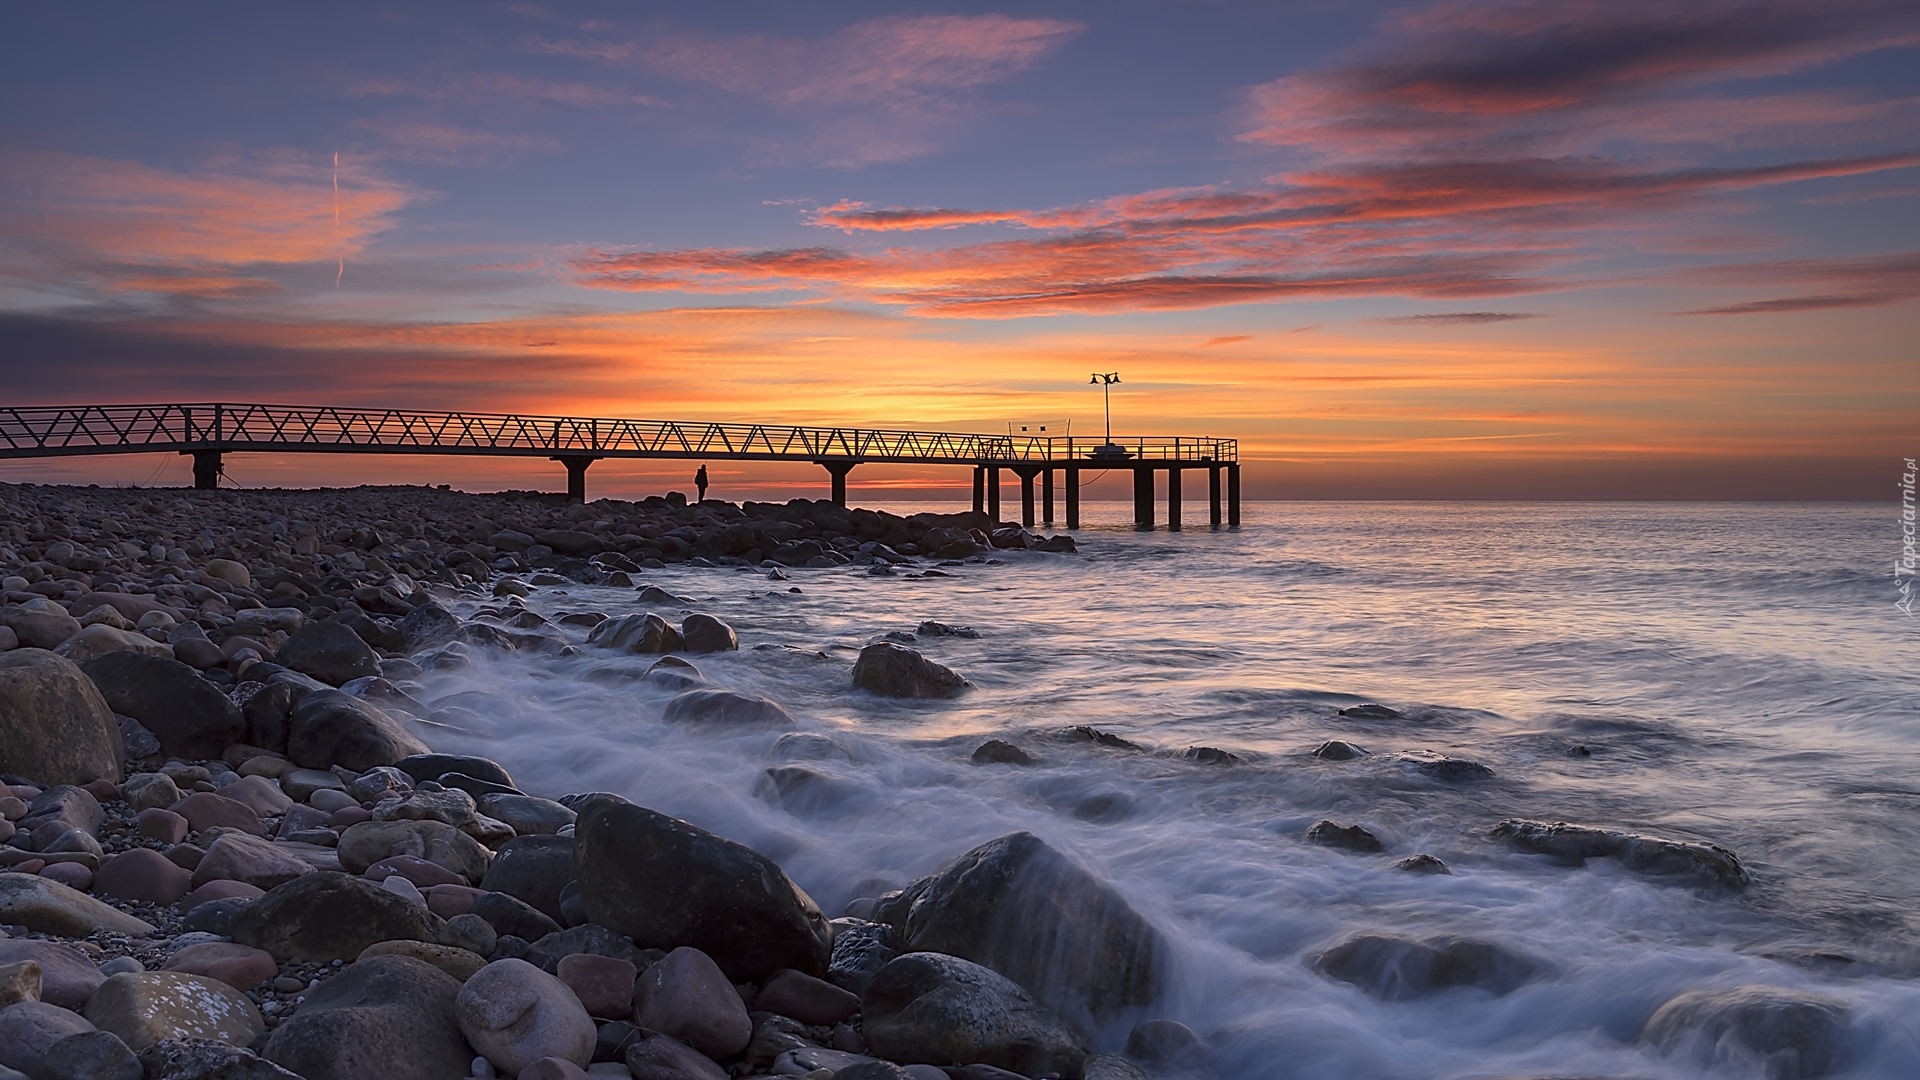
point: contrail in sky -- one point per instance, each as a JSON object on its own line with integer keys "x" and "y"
{"x": 342, "y": 271}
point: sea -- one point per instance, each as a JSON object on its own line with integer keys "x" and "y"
{"x": 1736, "y": 673}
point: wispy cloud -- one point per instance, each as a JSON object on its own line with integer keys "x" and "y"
{"x": 1818, "y": 284}
{"x": 1462, "y": 318}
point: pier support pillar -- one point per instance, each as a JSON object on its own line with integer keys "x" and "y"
{"x": 1026, "y": 473}
{"x": 838, "y": 470}
{"x": 1213, "y": 495}
{"x": 1143, "y": 496}
{"x": 979, "y": 489}
{"x": 576, "y": 474}
{"x": 206, "y": 469}
{"x": 1072, "y": 477}
{"x": 1046, "y": 495}
{"x": 1173, "y": 497}
{"x": 993, "y": 494}
{"x": 1233, "y": 495}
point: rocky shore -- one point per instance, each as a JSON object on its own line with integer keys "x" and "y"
{"x": 224, "y": 852}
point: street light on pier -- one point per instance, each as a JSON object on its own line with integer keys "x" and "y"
{"x": 1105, "y": 382}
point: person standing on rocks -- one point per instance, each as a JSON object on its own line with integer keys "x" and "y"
{"x": 700, "y": 482}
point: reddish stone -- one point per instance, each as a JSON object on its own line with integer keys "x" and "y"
{"x": 103, "y": 789}
{"x": 252, "y": 859}
{"x": 804, "y": 998}
{"x": 220, "y": 890}
{"x": 348, "y": 816}
{"x": 187, "y": 855}
{"x": 414, "y": 869}
{"x": 142, "y": 874}
{"x": 162, "y": 825}
{"x": 239, "y": 966}
{"x": 70, "y": 874}
{"x": 553, "y": 1068}
{"x": 204, "y": 810}
{"x": 29, "y": 866}
{"x": 604, "y": 984}
{"x": 447, "y": 901}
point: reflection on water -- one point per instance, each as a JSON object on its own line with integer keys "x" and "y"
{"x": 1732, "y": 673}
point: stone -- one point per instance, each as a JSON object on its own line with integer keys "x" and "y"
{"x": 201, "y": 1059}
{"x": 533, "y": 869}
{"x": 892, "y": 670}
{"x": 242, "y": 967}
{"x": 54, "y": 724}
{"x": 860, "y": 950}
{"x": 686, "y": 996}
{"x": 452, "y": 806}
{"x": 726, "y": 710}
{"x": 330, "y": 652}
{"x": 512, "y": 917}
{"x": 91, "y": 1055}
{"x": 377, "y": 784}
{"x": 73, "y": 807}
{"x": 1167, "y": 1046}
{"x": 20, "y": 980}
{"x": 1347, "y": 837}
{"x": 142, "y": 874}
{"x": 434, "y": 841}
{"x": 434, "y": 766}
{"x": 527, "y": 815}
{"x": 448, "y": 901}
{"x": 553, "y": 1068}
{"x": 662, "y": 1057}
{"x": 1371, "y": 711}
{"x": 468, "y": 931}
{"x": 1397, "y": 969}
{"x": 587, "y": 938}
{"x": 636, "y": 633}
{"x": 812, "y": 1060}
{"x": 604, "y": 985}
{"x": 1754, "y": 1030}
{"x": 326, "y": 916}
{"x": 207, "y": 810}
{"x": 259, "y": 794}
{"x": 1421, "y": 864}
{"x": 38, "y": 628}
{"x": 153, "y": 1006}
{"x": 189, "y": 715}
{"x": 415, "y": 869}
{"x": 390, "y": 1017}
{"x": 1686, "y": 861}
{"x": 148, "y": 791}
{"x": 252, "y": 860}
{"x": 67, "y": 976}
{"x": 220, "y": 890}
{"x": 806, "y": 999}
{"x": 929, "y": 1008}
{"x": 51, "y": 908}
{"x": 101, "y": 639}
{"x": 268, "y": 712}
{"x": 457, "y": 962}
{"x": 1000, "y": 752}
{"x": 1029, "y": 912}
{"x": 334, "y": 801}
{"x": 216, "y": 916}
{"x": 29, "y": 1028}
{"x": 329, "y": 728}
{"x": 229, "y": 571}
{"x": 704, "y": 634}
{"x": 1338, "y": 750}
{"x": 666, "y": 884}
{"x": 513, "y": 1014}
{"x": 1113, "y": 1067}
{"x": 428, "y": 625}
{"x": 303, "y": 784}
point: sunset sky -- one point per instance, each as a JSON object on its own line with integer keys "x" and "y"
{"x": 1564, "y": 249}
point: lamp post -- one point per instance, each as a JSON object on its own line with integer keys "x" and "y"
{"x": 1105, "y": 383}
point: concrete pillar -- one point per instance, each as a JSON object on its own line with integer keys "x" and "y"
{"x": 1233, "y": 495}
{"x": 1213, "y": 495}
{"x": 1026, "y": 473}
{"x": 1143, "y": 496}
{"x": 838, "y": 470}
{"x": 206, "y": 469}
{"x": 993, "y": 494}
{"x": 1073, "y": 496}
{"x": 576, "y": 473}
{"x": 1046, "y": 495}
{"x": 979, "y": 489}
{"x": 1173, "y": 497}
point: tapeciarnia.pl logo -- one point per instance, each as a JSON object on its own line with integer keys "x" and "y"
{"x": 1903, "y": 567}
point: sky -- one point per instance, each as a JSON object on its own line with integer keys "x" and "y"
{"x": 1562, "y": 249}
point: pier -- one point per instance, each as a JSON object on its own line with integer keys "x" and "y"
{"x": 207, "y": 432}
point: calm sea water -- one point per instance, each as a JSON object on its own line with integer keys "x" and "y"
{"x": 1738, "y": 672}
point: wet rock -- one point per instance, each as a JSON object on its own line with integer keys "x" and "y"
{"x": 1776, "y": 1033}
{"x": 1422, "y": 864}
{"x": 67, "y": 977}
{"x": 935, "y": 628}
{"x": 54, "y": 724}
{"x": 1396, "y": 968}
{"x": 415, "y": 869}
{"x": 38, "y": 903}
{"x": 200, "y": 1059}
{"x": 423, "y": 767}
{"x": 1107, "y": 739}
{"x": 1371, "y": 711}
{"x": 513, "y": 1014}
{"x": 588, "y": 939}
{"x": 326, "y": 916}
{"x": 704, "y": 634}
{"x": 999, "y": 752}
{"x": 930, "y": 1008}
{"x": 1451, "y": 770}
{"x": 533, "y": 869}
{"x": 240, "y": 966}
{"x": 1572, "y": 845}
{"x": 860, "y": 950}
{"x": 1113, "y": 1067}
{"x": 511, "y": 916}
{"x": 427, "y": 626}
{"x": 686, "y": 996}
{"x": 675, "y": 674}
{"x": 806, "y": 999}
{"x": 451, "y": 806}
{"x": 1346, "y": 837}
{"x": 666, "y": 883}
{"x": 390, "y": 1017}
{"x": 250, "y": 860}
{"x": 330, "y": 728}
{"x": 206, "y": 810}
{"x": 636, "y": 633}
{"x": 435, "y": 841}
{"x": 661, "y": 1057}
{"x": 526, "y": 814}
{"x": 604, "y": 984}
{"x": 1167, "y": 1047}
{"x": 330, "y": 652}
{"x": 726, "y": 709}
{"x": 1025, "y": 910}
{"x": 189, "y": 715}
{"x": 29, "y": 1028}
{"x": 1212, "y": 755}
{"x": 896, "y": 671}
{"x": 153, "y": 1006}
{"x": 141, "y": 874}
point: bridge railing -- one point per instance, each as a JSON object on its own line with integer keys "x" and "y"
{"x": 123, "y": 428}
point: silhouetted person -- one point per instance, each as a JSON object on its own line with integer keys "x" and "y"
{"x": 700, "y": 482}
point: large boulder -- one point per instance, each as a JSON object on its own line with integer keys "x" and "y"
{"x": 726, "y": 709}
{"x": 1039, "y": 918}
{"x": 686, "y": 996}
{"x": 1686, "y": 861}
{"x": 892, "y": 670}
{"x": 666, "y": 883}
{"x": 54, "y": 725}
{"x": 39, "y": 626}
{"x": 1754, "y": 1030}
{"x": 321, "y": 917}
{"x": 636, "y": 633}
{"x": 933, "y": 1009}
{"x": 259, "y": 862}
{"x": 435, "y": 841}
{"x": 515, "y": 1014}
{"x": 67, "y": 977}
{"x": 147, "y": 1007}
{"x": 1396, "y": 969}
{"x": 49, "y": 907}
{"x": 534, "y": 869}
{"x": 99, "y": 639}
{"x": 386, "y": 1016}
{"x": 330, "y": 728}
{"x": 331, "y": 652}
{"x": 428, "y": 625}
{"x": 189, "y": 715}
{"x": 704, "y": 633}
